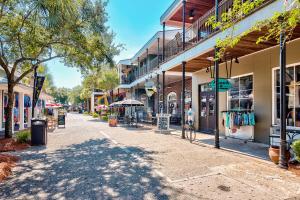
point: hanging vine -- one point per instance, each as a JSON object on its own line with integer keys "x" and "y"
{"x": 290, "y": 18}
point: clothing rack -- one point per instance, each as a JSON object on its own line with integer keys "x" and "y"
{"x": 239, "y": 111}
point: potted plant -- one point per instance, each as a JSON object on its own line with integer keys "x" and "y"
{"x": 113, "y": 120}
{"x": 294, "y": 164}
{"x": 274, "y": 154}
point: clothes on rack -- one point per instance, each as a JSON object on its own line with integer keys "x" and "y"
{"x": 236, "y": 119}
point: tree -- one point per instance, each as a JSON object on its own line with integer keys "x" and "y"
{"x": 36, "y": 31}
{"x": 109, "y": 80}
{"x": 61, "y": 95}
{"x": 74, "y": 95}
{"x": 289, "y": 19}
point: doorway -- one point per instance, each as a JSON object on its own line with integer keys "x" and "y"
{"x": 206, "y": 109}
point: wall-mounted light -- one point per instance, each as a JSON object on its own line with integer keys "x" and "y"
{"x": 192, "y": 14}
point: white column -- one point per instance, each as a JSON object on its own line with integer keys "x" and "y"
{"x": 21, "y": 110}
{"x": 93, "y": 103}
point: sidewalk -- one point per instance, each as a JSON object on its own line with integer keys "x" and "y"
{"x": 253, "y": 149}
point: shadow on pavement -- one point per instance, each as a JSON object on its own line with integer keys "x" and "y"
{"x": 91, "y": 170}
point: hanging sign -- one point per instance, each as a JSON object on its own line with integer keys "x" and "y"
{"x": 224, "y": 85}
{"x": 38, "y": 88}
{"x": 150, "y": 88}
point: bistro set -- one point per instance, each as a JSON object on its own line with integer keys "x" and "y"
{"x": 131, "y": 119}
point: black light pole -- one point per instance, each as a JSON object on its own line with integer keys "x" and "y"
{"x": 139, "y": 69}
{"x": 283, "y": 163}
{"x": 158, "y": 92}
{"x": 158, "y": 54}
{"x": 217, "y": 134}
{"x": 164, "y": 41}
{"x": 34, "y": 91}
{"x": 183, "y": 72}
{"x": 163, "y": 91}
{"x": 147, "y": 61}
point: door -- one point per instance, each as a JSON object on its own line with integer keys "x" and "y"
{"x": 206, "y": 109}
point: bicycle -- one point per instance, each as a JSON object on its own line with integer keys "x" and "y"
{"x": 190, "y": 132}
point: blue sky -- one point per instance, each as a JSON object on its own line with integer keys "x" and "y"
{"x": 134, "y": 23}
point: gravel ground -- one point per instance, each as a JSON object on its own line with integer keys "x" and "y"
{"x": 89, "y": 160}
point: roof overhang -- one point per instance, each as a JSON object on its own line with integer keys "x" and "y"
{"x": 173, "y": 15}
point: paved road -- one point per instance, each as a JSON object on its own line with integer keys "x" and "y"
{"x": 89, "y": 160}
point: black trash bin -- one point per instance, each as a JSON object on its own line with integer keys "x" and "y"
{"x": 38, "y": 132}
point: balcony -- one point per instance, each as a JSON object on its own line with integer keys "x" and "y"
{"x": 198, "y": 31}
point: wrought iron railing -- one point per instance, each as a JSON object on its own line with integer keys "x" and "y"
{"x": 198, "y": 31}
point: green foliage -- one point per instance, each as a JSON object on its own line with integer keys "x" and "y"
{"x": 296, "y": 148}
{"x": 61, "y": 95}
{"x": 109, "y": 80}
{"x": 86, "y": 113}
{"x": 241, "y": 8}
{"x": 74, "y": 95}
{"x": 23, "y": 136}
{"x": 95, "y": 115}
{"x": 104, "y": 118}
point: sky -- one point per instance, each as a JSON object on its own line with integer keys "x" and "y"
{"x": 133, "y": 21}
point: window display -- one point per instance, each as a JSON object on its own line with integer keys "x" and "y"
{"x": 292, "y": 94}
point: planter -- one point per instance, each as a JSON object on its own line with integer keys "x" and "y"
{"x": 274, "y": 154}
{"x": 112, "y": 121}
{"x": 295, "y": 168}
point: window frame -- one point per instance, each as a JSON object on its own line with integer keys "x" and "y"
{"x": 274, "y": 93}
{"x": 253, "y": 83}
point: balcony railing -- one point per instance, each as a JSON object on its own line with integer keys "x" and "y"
{"x": 198, "y": 31}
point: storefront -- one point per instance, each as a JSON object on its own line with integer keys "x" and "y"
{"x": 251, "y": 106}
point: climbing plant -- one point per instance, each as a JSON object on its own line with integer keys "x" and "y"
{"x": 285, "y": 21}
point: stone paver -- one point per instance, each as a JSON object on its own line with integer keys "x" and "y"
{"x": 89, "y": 160}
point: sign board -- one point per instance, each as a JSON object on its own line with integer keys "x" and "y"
{"x": 150, "y": 88}
{"x": 224, "y": 85}
{"x": 39, "y": 82}
{"x": 61, "y": 120}
{"x": 163, "y": 122}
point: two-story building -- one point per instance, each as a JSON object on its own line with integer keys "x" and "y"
{"x": 141, "y": 79}
{"x": 251, "y": 78}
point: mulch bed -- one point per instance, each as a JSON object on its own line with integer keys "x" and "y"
{"x": 11, "y": 145}
{"x": 7, "y": 162}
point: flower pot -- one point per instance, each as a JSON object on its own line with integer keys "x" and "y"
{"x": 274, "y": 154}
{"x": 112, "y": 122}
{"x": 295, "y": 168}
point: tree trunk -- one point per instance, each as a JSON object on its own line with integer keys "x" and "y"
{"x": 9, "y": 111}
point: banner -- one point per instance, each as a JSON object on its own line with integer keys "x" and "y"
{"x": 150, "y": 88}
{"x": 38, "y": 88}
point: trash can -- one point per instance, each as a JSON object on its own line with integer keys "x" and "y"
{"x": 38, "y": 132}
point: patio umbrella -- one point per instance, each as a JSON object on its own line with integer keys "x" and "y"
{"x": 131, "y": 102}
{"x": 115, "y": 104}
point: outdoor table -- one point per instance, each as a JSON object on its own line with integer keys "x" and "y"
{"x": 291, "y": 133}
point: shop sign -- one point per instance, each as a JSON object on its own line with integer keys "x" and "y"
{"x": 224, "y": 85}
{"x": 150, "y": 88}
{"x": 163, "y": 122}
{"x": 61, "y": 121}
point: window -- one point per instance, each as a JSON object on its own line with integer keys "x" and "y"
{"x": 240, "y": 96}
{"x": 292, "y": 86}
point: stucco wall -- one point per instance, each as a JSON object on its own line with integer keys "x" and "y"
{"x": 261, "y": 65}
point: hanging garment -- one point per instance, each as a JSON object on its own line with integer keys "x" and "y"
{"x": 227, "y": 120}
{"x": 251, "y": 119}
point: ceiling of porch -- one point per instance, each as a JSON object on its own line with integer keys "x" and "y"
{"x": 246, "y": 46}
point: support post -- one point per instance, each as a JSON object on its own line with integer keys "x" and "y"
{"x": 217, "y": 134}
{"x": 163, "y": 91}
{"x": 139, "y": 69}
{"x": 147, "y": 60}
{"x": 164, "y": 41}
{"x": 183, "y": 23}
{"x": 158, "y": 93}
{"x": 158, "y": 54}
{"x": 21, "y": 110}
{"x": 183, "y": 101}
{"x": 283, "y": 163}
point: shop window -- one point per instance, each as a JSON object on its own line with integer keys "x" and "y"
{"x": 240, "y": 96}
{"x": 292, "y": 96}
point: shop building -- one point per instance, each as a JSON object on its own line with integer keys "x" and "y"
{"x": 22, "y": 104}
{"x": 250, "y": 108}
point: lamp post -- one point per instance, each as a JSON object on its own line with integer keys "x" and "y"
{"x": 283, "y": 163}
